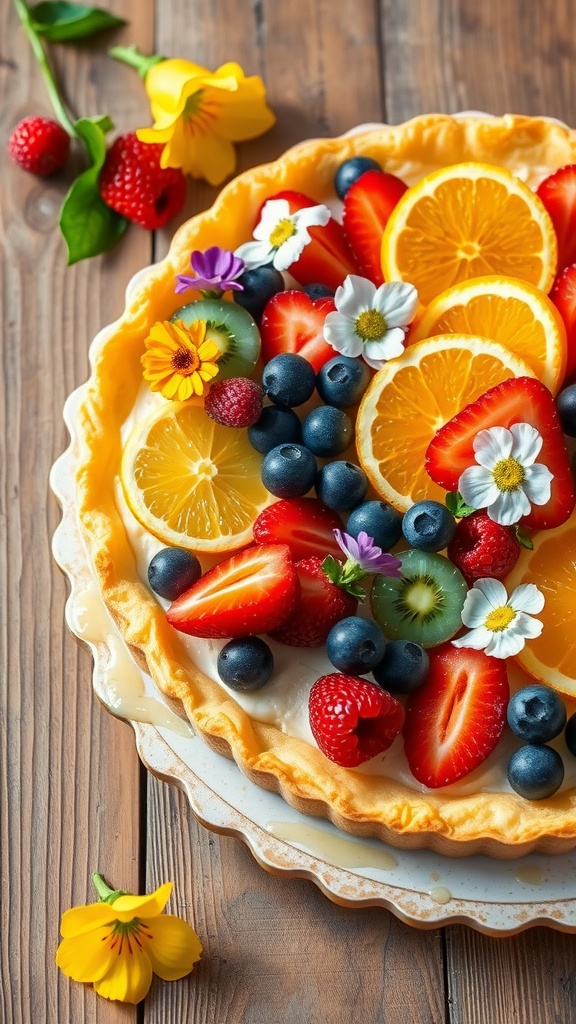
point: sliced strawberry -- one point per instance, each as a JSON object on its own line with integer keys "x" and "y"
{"x": 352, "y": 720}
{"x": 457, "y": 716}
{"x": 367, "y": 207}
{"x": 251, "y": 592}
{"x": 320, "y": 605}
{"x": 304, "y": 524}
{"x": 293, "y": 322}
{"x": 563, "y": 296}
{"x": 327, "y": 258}
{"x": 558, "y": 193}
{"x": 517, "y": 400}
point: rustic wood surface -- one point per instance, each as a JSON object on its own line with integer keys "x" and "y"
{"x": 73, "y": 796}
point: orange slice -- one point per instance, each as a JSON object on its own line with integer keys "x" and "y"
{"x": 411, "y": 397}
{"x": 468, "y": 220}
{"x": 191, "y": 482}
{"x": 507, "y": 310}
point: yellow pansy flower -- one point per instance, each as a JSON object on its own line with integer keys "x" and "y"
{"x": 179, "y": 361}
{"x": 119, "y": 942}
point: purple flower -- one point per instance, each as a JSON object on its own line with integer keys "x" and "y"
{"x": 365, "y": 553}
{"x": 216, "y": 270}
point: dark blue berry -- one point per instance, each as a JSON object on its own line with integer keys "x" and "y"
{"x": 289, "y": 379}
{"x": 245, "y": 664}
{"x": 260, "y": 285}
{"x": 570, "y": 734}
{"x": 341, "y": 485}
{"x": 428, "y": 525}
{"x": 535, "y": 772}
{"x": 318, "y": 291}
{"x": 172, "y": 572}
{"x": 289, "y": 471}
{"x": 403, "y": 668}
{"x": 351, "y": 170}
{"x": 536, "y": 713}
{"x": 379, "y": 520}
{"x": 276, "y": 425}
{"x": 342, "y": 381}
{"x": 327, "y": 431}
{"x": 566, "y": 409}
{"x": 355, "y": 645}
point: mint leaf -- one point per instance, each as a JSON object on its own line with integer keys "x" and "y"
{"x": 59, "y": 21}
{"x": 457, "y": 506}
{"x": 523, "y": 538}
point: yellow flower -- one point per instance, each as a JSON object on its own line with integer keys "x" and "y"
{"x": 198, "y": 114}
{"x": 119, "y": 942}
{"x": 178, "y": 359}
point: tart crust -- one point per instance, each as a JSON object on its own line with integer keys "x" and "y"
{"x": 498, "y": 824}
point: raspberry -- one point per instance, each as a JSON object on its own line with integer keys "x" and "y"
{"x": 134, "y": 184}
{"x": 236, "y": 402}
{"x": 39, "y": 145}
{"x": 481, "y": 547}
{"x": 352, "y": 719}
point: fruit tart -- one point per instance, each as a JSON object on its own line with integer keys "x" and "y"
{"x": 325, "y": 487}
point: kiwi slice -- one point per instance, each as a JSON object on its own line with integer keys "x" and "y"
{"x": 233, "y": 330}
{"x": 425, "y": 604}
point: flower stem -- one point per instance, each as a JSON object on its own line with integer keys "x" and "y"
{"x": 105, "y": 893}
{"x": 134, "y": 57}
{"x": 49, "y": 80}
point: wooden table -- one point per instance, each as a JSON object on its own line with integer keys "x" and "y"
{"x": 73, "y": 796}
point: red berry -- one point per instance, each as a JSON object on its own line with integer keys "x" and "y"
{"x": 236, "y": 402}
{"x": 563, "y": 296}
{"x": 320, "y": 605}
{"x": 481, "y": 547}
{"x": 558, "y": 193}
{"x": 134, "y": 184}
{"x": 368, "y": 204}
{"x": 352, "y": 719}
{"x": 293, "y": 322}
{"x": 39, "y": 145}
{"x": 304, "y": 524}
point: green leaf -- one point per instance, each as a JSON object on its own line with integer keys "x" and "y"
{"x": 457, "y": 506}
{"x": 59, "y": 21}
{"x": 523, "y": 538}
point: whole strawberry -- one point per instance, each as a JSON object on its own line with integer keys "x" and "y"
{"x": 39, "y": 145}
{"x": 133, "y": 183}
{"x": 320, "y": 606}
{"x": 352, "y": 719}
{"x": 236, "y": 402}
{"x": 481, "y": 547}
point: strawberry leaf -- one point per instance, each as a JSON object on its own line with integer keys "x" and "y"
{"x": 523, "y": 538}
{"x": 59, "y": 21}
{"x": 457, "y": 506}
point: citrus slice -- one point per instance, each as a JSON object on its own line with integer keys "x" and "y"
{"x": 411, "y": 397}
{"x": 468, "y": 220}
{"x": 551, "y": 657}
{"x": 191, "y": 482}
{"x": 504, "y": 309}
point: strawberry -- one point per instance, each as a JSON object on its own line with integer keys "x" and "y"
{"x": 320, "y": 605}
{"x": 480, "y": 547}
{"x": 563, "y": 296}
{"x": 516, "y": 400}
{"x": 327, "y": 258}
{"x": 235, "y": 402}
{"x": 39, "y": 145}
{"x": 253, "y": 591}
{"x": 367, "y": 207}
{"x": 352, "y": 719}
{"x": 457, "y": 716}
{"x": 134, "y": 184}
{"x": 293, "y": 322}
{"x": 304, "y": 524}
{"x": 558, "y": 193}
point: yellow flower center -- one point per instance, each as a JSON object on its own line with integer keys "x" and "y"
{"x": 500, "y": 618}
{"x": 123, "y": 934}
{"x": 370, "y": 325}
{"x": 284, "y": 230}
{"x": 193, "y": 106}
{"x": 508, "y": 474}
{"x": 185, "y": 361}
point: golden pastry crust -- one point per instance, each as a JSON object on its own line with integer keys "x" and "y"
{"x": 502, "y": 825}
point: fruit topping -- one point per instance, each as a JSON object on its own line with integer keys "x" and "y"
{"x": 355, "y": 645}
{"x": 563, "y": 295}
{"x": 304, "y": 524}
{"x": 351, "y": 170}
{"x": 319, "y": 606}
{"x": 341, "y": 485}
{"x": 371, "y": 322}
{"x": 428, "y": 525}
{"x": 558, "y": 194}
{"x": 368, "y": 203}
{"x": 289, "y": 471}
{"x": 133, "y": 182}
{"x": 288, "y": 379}
{"x": 231, "y": 328}
{"x": 423, "y": 605}
{"x": 403, "y": 668}
{"x": 39, "y": 145}
{"x": 455, "y": 719}
{"x": 172, "y": 571}
{"x": 342, "y": 381}
{"x": 276, "y": 425}
{"x": 536, "y": 713}
{"x": 327, "y": 431}
{"x": 535, "y": 772}
{"x": 352, "y": 720}
{"x": 318, "y": 291}
{"x": 235, "y": 402}
{"x": 259, "y": 285}
{"x": 246, "y": 663}
{"x": 293, "y": 322}
{"x": 379, "y": 520}
{"x": 480, "y": 547}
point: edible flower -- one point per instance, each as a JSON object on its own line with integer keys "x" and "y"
{"x": 507, "y": 479}
{"x": 371, "y": 322}
{"x": 281, "y": 236}
{"x": 119, "y": 942}
{"x": 363, "y": 558}
{"x": 500, "y": 625}
{"x": 216, "y": 271}
{"x": 179, "y": 360}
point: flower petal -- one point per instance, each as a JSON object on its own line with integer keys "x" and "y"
{"x": 476, "y": 608}
{"x": 476, "y": 638}
{"x": 129, "y": 977}
{"x": 504, "y": 644}
{"x": 526, "y": 444}
{"x": 291, "y": 250}
{"x": 87, "y": 957}
{"x": 354, "y": 294}
{"x": 527, "y": 598}
{"x": 215, "y": 158}
{"x": 244, "y": 114}
{"x": 273, "y": 211}
{"x": 79, "y": 920}
{"x": 536, "y": 483}
{"x": 493, "y": 590}
{"x": 312, "y": 216}
{"x": 397, "y": 301}
{"x": 125, "y": 908}
{"x": 389, "y": 347}
{"x": 509, "y": 507}
{"x": 339, "y": 332}
{"x": 255, "y": 254}
{"x": 166, "y": 81}
{"x": 527, "y": 626}
{"x": 492, "y": 445}
{"x": 477, "y": 487}
{"x": 174, "y": 947}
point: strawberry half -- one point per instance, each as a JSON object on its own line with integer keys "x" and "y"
{"x": 304, "y": 524}
{"x": 352, "y": 720}
{"x": 558, "y": 193}
{"x": 319, "y": 606}
{"x": 293, "y": 322}
{"x": 457, "y": 716}
{"x": 563, "y": 296}
{"x": 367, "y": 207}
{"x": 251, "y": 592}
{"x": 517, "y": 400}
{"x": 327, "y": 258}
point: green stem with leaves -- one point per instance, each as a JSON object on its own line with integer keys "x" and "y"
{"x": 47, "y": 73}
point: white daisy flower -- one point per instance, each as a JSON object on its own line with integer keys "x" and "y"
{"x": 500, "y": 625}
{"x": 371, "y": 322}
{"x": 281, "y": 236}
{"x": 507, "y": 479}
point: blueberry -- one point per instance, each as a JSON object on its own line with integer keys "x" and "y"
{"x": 355, "y": 645}
{"x": 276, "y": 425}
{"x": 403, "y": 668}
{"x": 318, "y": 291}
{"x": 379, "y": 520}
{"x": 260, "y": 285}
{"x": 289, "y": 379}
{"x": 327, "y": 431}
{"x": 172, "y": 572}
{"x": 351, "y": 170}
{"x": 570, "y": 734}
{"x": 341, "y": 485}
{"x": 342, "y": 381}
{"x": 566, "y": 409}
{"x": 536, "y": 713}
{"x": 428, "y": 525}
{"x": 535, "y": 772}
{"x": 245, "y": 664}
{"x": 289, "y": 470}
